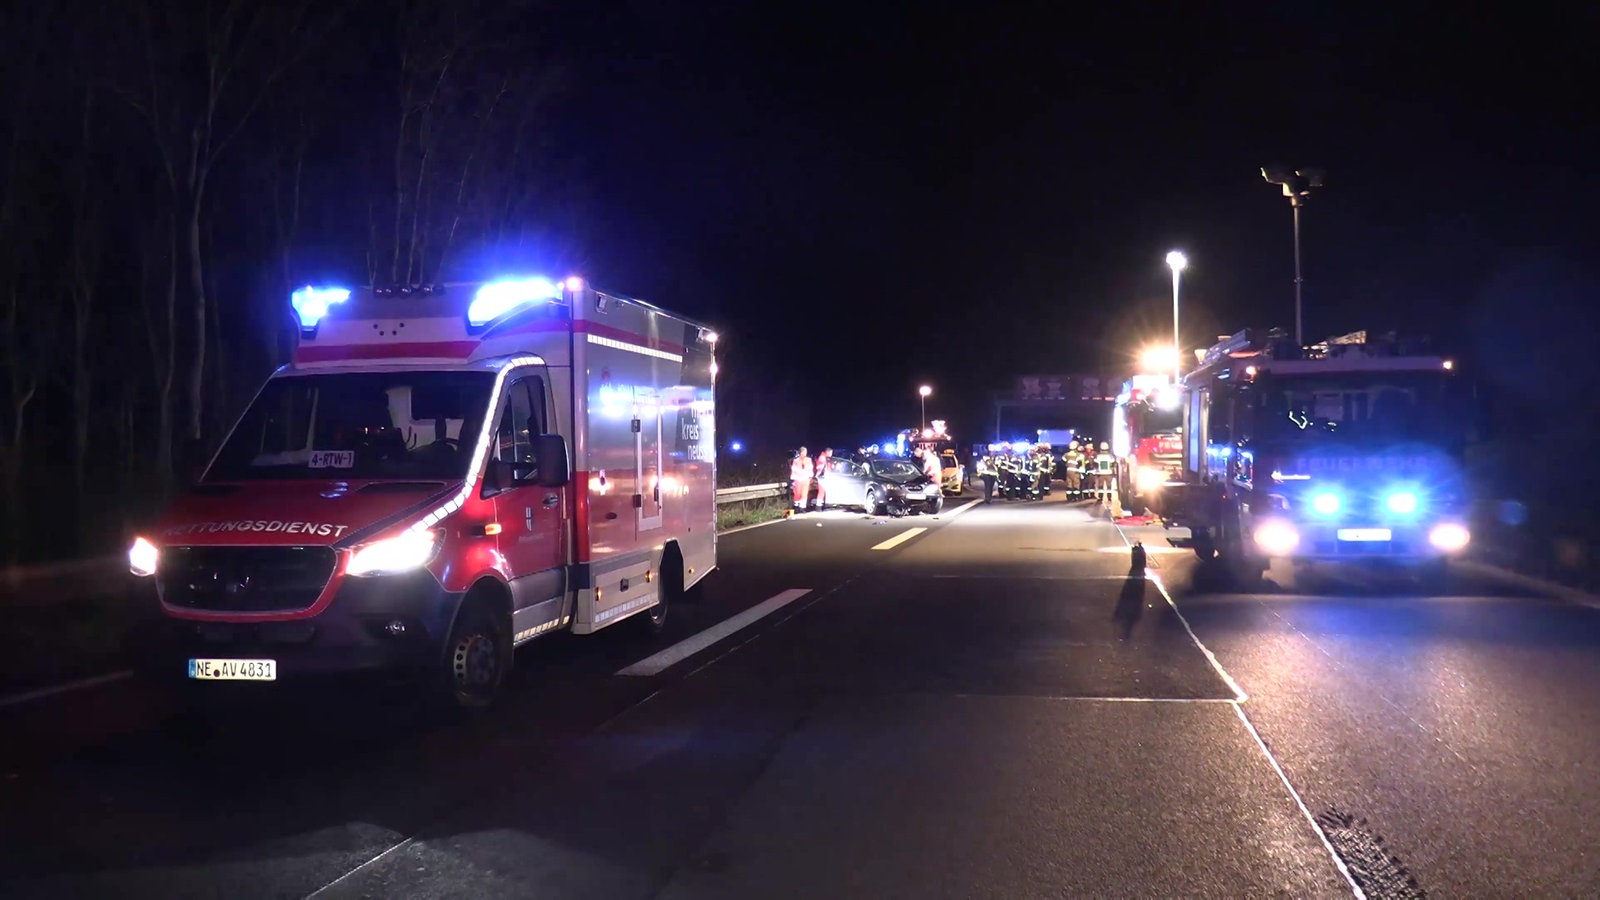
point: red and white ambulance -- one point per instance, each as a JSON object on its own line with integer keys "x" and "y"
{"x": 440, "y": 475}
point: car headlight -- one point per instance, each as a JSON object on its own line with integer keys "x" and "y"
{"x": 1277, "y": 537}
{"x": 143, "y": 557}
{"x": 405, "y": 551}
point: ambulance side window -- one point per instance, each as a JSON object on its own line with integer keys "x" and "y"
{"x": 523, "y": 420}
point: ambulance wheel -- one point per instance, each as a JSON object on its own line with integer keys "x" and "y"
{"x": 477, "y": 658}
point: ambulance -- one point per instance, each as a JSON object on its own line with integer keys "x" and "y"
{"x": 440, "y": 475}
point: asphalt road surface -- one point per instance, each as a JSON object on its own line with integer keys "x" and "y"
{"x": 980, "y": 704}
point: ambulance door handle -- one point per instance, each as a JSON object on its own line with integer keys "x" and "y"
{"x": 551, "y": 500}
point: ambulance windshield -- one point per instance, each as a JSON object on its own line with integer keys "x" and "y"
{"x": 363, "y": 425}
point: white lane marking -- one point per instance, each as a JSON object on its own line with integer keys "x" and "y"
{"x": 660, "y": 662}
{"x": 1103, "y": 699}
{"x": 80, "y": 684}
{"x": 369, "y": 863}
{"x": 899, "y": 539}
{"x": 960, "y": 509}
{"x": 1300, "y": 802}
{"x": 1216, "y": 664}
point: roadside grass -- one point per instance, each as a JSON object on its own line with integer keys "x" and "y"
{"x": 750, "y": 512}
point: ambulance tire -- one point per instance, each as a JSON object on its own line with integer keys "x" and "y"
{"x": 477, "y": 658}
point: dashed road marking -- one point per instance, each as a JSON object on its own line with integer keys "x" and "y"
{"x": 682, "y": 650}
{"x": 899, "y": 539}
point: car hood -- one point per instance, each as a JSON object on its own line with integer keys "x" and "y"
{"x": 293, "y": 513}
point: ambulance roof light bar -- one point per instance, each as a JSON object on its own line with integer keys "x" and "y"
{"x": 312, "y": 303}
{"x": 498, "y": 299}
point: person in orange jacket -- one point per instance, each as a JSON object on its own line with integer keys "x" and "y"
{"x": 818, "y": 470}
{"x": 800, "y": 475}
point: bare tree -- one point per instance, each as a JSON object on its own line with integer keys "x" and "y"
{"x": 469, "y": 83}
{"x": 84, "y": 265}
{"x": 205, "y": 77}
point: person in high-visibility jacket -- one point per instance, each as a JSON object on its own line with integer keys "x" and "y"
{"x": 1073, "y": 461}
{"x": 800, "y": 475}
{"x": 987, "y": 473}
{"x": 1105, "y": 467}
{"x": 818, "y": 470}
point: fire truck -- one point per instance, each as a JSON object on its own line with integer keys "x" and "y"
{"x": 1147, "y": 441}
{"x": 441, "y": 475}
{"x": 1348, "y": 450}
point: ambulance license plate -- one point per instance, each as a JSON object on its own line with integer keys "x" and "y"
{"x": 1365, "y": 534}
{"x": 233, "y": 669}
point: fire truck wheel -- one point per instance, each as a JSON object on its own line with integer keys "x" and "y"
{"x": 476, "y": 658}
{"x": 1204, "y": 546}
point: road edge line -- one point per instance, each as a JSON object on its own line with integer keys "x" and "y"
{"x": 960, "y": 509}
{"x": 1239, "y": 695}
{"x": 752, "y": 526}
{"x": 666, "y": 658}
{"x": 1338, "y": 861}
{"x": 81, "y": 684}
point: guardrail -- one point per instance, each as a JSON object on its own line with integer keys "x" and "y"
{"x": 751, "y": 492}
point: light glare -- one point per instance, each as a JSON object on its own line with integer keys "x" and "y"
{"x": 312, "y": 303}
{"x": 407, "y": 550}
{"x": 1177, "y": 261}
{"x": 143, "y": 557}
{"x": 1326, "y": 503}
{"x": 498, "y": 298}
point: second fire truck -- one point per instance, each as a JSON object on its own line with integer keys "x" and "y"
{"x": 1147, "y": 441}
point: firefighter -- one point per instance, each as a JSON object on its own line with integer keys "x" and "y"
{"x": 1047, "y": 468}
{"x": 800, "y": 475}
{"x": 1072, "y": 460}
{"x": 987, "y": 474}
{"x": 819, "y": 469}
{"x": 1104, "y": 466}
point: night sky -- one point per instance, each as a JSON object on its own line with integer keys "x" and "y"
{"x": 871, "y": 196}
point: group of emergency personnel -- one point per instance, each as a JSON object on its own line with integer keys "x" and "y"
{"x": 1025, "y": 473}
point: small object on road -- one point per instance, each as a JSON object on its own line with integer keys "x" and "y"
{"x": 1137, "y": 558}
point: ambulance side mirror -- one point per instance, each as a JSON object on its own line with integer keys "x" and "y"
{"x": 555, "y": 469}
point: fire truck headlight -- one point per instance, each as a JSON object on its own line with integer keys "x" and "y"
{"x": 403, "y": 552}
{"x": 1449, "y": 537}
{"x": 1149, "y": 478}
{"x": 1402, "y": 502}
{"x": 1326, "y": 502}
{"x": 143, "y": 557}
{"x": 1277, "y": 537}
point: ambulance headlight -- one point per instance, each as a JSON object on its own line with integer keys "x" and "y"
{"x": 143, "y": 557}
{"x": 403, "y": 552}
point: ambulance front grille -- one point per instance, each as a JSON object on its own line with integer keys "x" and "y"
{"x": 244, "y": 579}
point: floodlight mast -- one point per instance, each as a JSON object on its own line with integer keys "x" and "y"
{"x": 1297, "y": 185}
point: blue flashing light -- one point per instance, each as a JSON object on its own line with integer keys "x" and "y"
{"x": 498, "y": 298}
{"x": 1326, "y": 502}
{"x": 1401, "y": 502}
{"x": 312, "y": 303}
{"x": 736, "y": 446}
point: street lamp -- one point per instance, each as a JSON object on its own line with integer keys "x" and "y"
{"x": 924, "y": 391}
{"x": 1177, "y": 262}
{"x": 1297, "y": 185}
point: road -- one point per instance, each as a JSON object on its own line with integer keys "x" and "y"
{"x": 991, "y": 705}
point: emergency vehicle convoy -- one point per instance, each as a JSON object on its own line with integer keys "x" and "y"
{"x": 442, "y": 474}
{"x": 1147, "y": 441}
{"x": 1347, "y": 450}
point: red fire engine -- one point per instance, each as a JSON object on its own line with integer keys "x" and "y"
{"x": 1147, "y": 440}
{"x": 441, "y": 475}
